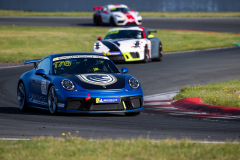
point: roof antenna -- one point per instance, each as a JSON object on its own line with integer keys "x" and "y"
{"x": 80, "y": 47}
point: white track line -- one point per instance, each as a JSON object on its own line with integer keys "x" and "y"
{"x": 161, "y": 96}
{"x": 156, "y": 103}
{"x": 14, "y": 139}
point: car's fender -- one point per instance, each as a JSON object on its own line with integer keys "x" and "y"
{"x": 154, "y": 47}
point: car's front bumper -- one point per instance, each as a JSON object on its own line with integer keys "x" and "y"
{"x": 126, "y": 57}
{"x": 127, "y": 104}
{"x": 126, "y": 21}
{"x": 130, "y": 101}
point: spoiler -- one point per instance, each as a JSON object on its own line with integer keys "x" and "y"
{"x": 32, "y": 61}
{"x": 97, "y": 8}
{"x": 151, "y": 31}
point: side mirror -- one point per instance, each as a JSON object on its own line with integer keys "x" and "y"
{"x": 105, "y": 11}
{"x": 150, "y": 36}
{"x": 40, "y": 72}
{"x": 99, "y": 38}
{"x": 124, "y": 70}
{"x": 132, "y": 10}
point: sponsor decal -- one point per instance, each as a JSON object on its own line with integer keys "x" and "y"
{"x": 97, "y": 45}
{"x": 113, "y": 32}
{"x": 79, "y": 56}
{"x": 98, "y": 79}
{"x": 114, "y": 53}
{"x": 108, "y": 100}
{"x": 38, "y": 99}
{"x": 62, "y": 63}
{"x": 130, "y": 18}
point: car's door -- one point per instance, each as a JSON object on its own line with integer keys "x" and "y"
{"x": 39, "y": 84}
{"x": 105, "y": 15}
{"x": 148, "y": 42}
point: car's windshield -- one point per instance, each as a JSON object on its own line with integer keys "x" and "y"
{"x": 124, "y": 10}
{"x": 124, "y": 34}
{"x": 78, "y": 64}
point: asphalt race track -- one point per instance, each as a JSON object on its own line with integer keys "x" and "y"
{"x": 203, "y": 24}
{"x": 175, "y": 71}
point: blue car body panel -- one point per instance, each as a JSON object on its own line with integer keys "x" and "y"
{"x": 37, "y": 86}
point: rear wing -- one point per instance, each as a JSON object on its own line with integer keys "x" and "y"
{"x": 151, "y": 31}
{"x": 97, "y": 8}
{"x": 34, "y": 61}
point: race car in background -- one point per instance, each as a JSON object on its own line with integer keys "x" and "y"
{"x": 116, "y": 14}
{"x": 127, "y": 44}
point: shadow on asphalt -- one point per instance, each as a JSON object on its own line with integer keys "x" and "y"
{"x": 35, "y": 111}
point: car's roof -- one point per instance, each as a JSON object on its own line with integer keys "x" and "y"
{"x": 127, "y": 28}
{"x": 73, "y": 53}
{"x": 117, "y": 6}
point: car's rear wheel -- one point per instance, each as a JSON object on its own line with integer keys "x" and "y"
{"x": 145, "y": 60}
{"x": 95, "y": 20}
{"x": 52, "y": 100}
{"x": 132, "y": 113}
{"x": 21, "y": 97}
{"x": 159, "y": 53}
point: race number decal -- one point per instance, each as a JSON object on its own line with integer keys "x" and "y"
{"x": 44, "y": 86}
{"x": 98, "y": 79}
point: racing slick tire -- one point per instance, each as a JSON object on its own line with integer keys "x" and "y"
{"x": 159, "y": 53}
{"x": 112, "y": 23}
{"x": 22, "y": 97}
{"x": 95, "y": 20}
{"x": 52, "y": 100}
{"x": 145, "y": 60}
{"x": 132, "y": 113}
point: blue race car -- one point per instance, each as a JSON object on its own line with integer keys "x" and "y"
{"x": 79, "y": 82}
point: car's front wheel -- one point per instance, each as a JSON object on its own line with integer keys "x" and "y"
{"x": 21, "y": 97}
{"x": 112, "y": 23}
{"x": 145, "y": 60}
{"x": 52, "y": 100}
{"x": 132, "y": 113}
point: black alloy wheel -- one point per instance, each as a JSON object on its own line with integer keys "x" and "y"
{"x": 52, "y": 100}
{"x": 145, "y": 60}
{"x": 159, "y": 53}
{"x": 95, "y": 20}
{"x": 112, "y": 23}
{"x": 21, "y": 97}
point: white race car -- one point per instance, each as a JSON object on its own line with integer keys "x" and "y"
{"x": 116, "y": 14}
{"x": 126, "y": 44}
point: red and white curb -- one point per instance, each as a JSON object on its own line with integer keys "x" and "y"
{"x": 162, "y": 104}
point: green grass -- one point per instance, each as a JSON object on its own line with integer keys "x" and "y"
{"x": 222, "y": 94}
{"x": 143, "y": 14}
{"x": 19, "y": 43}
{"x": 139, "y": 149}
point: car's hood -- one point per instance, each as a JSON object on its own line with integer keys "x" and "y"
{"x": 123, "y": 45}
{"x": 98, "y": 80}
{"x": 129, "y": 14}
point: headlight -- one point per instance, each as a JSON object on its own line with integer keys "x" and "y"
{"x": 68, "y": 85}
{"x": 133, "y": 82}
{"x": 97, "y": 45}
